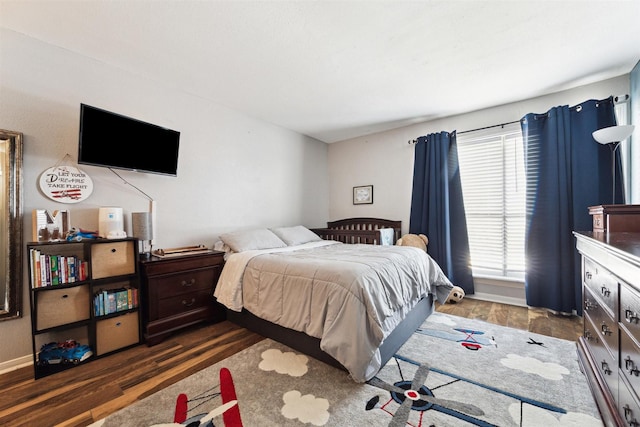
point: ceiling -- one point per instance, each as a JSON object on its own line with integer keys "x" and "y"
{"x": 335, "y": 70}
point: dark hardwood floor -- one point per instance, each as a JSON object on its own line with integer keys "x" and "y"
{"x": 88, "y": 393}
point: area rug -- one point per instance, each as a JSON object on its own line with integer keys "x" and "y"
{"x": 452, "y": 372}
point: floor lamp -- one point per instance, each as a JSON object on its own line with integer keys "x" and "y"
{"x": 613, "y": 136}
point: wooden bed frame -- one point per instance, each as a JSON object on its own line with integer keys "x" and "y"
{"x": 351, "y": 230}
{"x": 311, "y": 346}
{"x": 358, "y": 230}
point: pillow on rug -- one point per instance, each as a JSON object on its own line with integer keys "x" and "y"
{"x": 246, "y": 240}
{"x": 296, "y": 235}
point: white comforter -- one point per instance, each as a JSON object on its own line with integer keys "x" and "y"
{"x": 349, "y": 296}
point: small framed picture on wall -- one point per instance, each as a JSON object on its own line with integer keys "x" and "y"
{"x": 363, "y": 195}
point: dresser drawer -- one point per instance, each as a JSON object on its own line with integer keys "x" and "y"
{"x": 630, "y": 310}
{"x": 606, "y": 364}
{"x": 604, "y": 326}
{"x": 168, "y": 307}
{"x": 61, "y": 306}
{"x": 628, "y": 406}
{"x": 602, "y": 283}
{"x": 113, "y": 259}
{"x": 172, "y": 285}
{"x": 630, "y": 359}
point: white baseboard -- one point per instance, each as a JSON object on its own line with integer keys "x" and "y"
{"x": 12, "y": 365}
{"x": 520, "y": 302}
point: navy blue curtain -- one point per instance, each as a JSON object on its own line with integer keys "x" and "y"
{"x": 437, "y": 208}
{"x": 567, "y": 171}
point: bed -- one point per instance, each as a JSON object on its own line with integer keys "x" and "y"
{"x": 349, "y": 305}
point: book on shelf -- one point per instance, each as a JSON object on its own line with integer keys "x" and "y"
{"x": 109, "y": 301}
{"x": 52, "y": 270}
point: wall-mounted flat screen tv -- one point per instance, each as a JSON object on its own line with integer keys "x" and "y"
{"x": 115, "y": 141}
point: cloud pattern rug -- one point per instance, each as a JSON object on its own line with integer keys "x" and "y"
{"x": 451, "y": 372}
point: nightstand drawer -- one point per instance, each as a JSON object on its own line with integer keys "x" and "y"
{"x": 61, "y": 306}
{"x": 173, "y": 285}
{"x": 181, "y": 304}
{"x": 117, "y": 332}
{"x": 112, "y": 259}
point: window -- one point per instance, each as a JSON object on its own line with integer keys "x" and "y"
{"x": 493, "y": 187}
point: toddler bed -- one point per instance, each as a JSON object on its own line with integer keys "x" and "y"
{"x": 350, "y": 305}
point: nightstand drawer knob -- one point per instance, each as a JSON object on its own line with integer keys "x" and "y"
{"x": 189, "y": 283}
{"x": 188, "y": 304}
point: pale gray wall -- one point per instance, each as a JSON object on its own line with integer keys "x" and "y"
{"x": 385, "y": 160}
{"x": 234, "y": 171}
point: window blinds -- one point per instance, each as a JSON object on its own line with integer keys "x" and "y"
{"x": 493, "y": 186}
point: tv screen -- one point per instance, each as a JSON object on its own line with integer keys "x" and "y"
{"x": 111, "y": 140}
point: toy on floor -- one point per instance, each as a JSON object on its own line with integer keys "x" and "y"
{"x": 455, "y": 296}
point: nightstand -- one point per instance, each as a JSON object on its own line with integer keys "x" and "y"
{"x": 178, "y": 292}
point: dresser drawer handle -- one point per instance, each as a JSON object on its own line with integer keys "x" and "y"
{"x": 588, "y": 275}
{"x": 605, "y": 291}
{"x": 588, "y": 336}
{"x": 631, "y": 366}
{"x": 188, "y": 304}
{"x": 605, "y": 368}
{"x": 189, "y": 283}
{"x": 628, "y": 413}
{"x": 605, "y": 329}
{"x": 589, "y": 305}
{"x": 631, "y": 316}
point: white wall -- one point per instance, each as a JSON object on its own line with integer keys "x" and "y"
{"x": 385, "y": 160}
{"x": 234, "y": 171}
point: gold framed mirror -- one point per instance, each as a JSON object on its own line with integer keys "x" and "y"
{"x": 10, "y": 225}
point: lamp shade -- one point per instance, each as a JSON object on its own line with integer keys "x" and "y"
{"x": 613, "y": 134}
{"x": 141, "y": 224}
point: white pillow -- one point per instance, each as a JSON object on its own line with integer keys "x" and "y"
{"x": 296, "y": 235}
{"x": 246, "y": 240}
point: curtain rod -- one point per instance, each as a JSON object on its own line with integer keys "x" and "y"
{"x": 413, "y": 141}
{"x": 618, "y": 99}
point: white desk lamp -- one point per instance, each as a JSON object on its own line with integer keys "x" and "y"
{"x": 613, "y": 136}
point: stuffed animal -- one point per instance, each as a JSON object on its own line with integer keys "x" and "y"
{"x": 455, "y": 296}
{"x": 416, "y": 240}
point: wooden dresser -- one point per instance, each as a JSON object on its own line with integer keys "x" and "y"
{"x": 609, "y": 350}
{"x": 178, "y": 292}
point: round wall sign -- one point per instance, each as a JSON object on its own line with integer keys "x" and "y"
{"x": 66, "y": 184}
